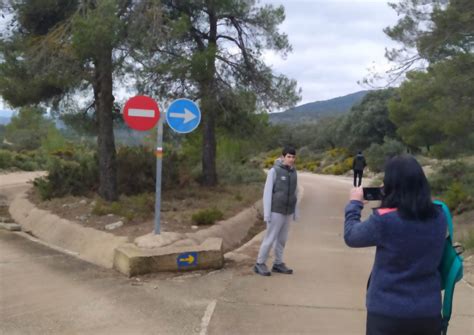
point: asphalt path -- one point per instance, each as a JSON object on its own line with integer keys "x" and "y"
{"x": 48, "y": 291}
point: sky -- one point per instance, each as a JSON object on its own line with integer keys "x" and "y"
{"x": 334, "y": 43}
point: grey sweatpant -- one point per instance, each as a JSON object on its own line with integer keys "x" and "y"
{"x": 277, "y": 233}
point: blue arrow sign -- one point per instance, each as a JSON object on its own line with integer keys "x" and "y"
{"x": 183, "y": 116}
{"x": 187, "y": 259}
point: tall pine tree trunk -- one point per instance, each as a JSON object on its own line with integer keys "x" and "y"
{"x": 209, "y": 141}
{"x": 106, "y": 142}
{"x": 209, "y": 105}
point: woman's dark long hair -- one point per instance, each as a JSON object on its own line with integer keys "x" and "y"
{"x": 406, "y": 188}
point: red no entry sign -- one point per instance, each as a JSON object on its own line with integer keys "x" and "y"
{"x": 141, "y": 112}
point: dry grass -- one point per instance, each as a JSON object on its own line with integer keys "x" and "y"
{"x": 137, "y": 212}
{"x": 464, "y": 230}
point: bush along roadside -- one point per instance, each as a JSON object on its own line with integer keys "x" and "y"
{"x": 23, "y": 160}
{"x": 454, "y": 184}
{"x": 336, "y": 161}
{"x": 207, "y": 216}
{"x": 69, "y": 173}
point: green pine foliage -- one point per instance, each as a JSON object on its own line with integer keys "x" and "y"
{"x": 28, "y": 128}
{"x": 433, "y": 108}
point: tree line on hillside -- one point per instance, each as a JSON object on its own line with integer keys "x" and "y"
{"x": 433, "y": 109}
{"x": 314, "y": 111}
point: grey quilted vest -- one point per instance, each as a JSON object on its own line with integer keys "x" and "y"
{"x": 284, "y": 189}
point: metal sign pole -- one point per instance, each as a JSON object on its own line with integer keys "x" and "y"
{"x": 159, "y": 161}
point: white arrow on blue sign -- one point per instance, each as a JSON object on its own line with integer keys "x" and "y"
{"x": 183, "y": 115}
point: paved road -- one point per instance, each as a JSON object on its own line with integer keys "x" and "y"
{"x": 43, "y": 291}
{"x": 326, "y": 295}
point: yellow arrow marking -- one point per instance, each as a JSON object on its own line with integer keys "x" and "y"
{"x": 189, "y": 259}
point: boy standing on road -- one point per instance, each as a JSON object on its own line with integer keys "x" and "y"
{"x": 279, "y": 205}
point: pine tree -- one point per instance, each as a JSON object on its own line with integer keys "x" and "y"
{"x": 213, "y": 53}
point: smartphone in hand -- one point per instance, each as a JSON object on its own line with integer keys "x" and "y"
{"x": 372, "y": 193}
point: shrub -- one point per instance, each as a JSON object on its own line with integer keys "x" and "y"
{"x": 378, "y": 154}
{"x": 307, "y": 165}
{"x": 336, "y": 169}
{"x": 271, "y": 157}
{"x": 446, "y": 174}
{"x": 44, "y": 188}
{"x": 303, "y": 152}
{"x": 447, "y": 150}
{"x": 336, "y": 161}
{"x": 207, "y": 216}
{"x": 136, "y": 170}
{"x": 455, "y": 195}
{"x": 6, "y": 159}
{"x": 237, "y": 173}
{"x": 135, "y": 207}
{"x": 468, "y": 240}
{"x": 269, "y": 161}
{"x": 313, "y": 166}
{"x": 337, "y": 152}
{"x": 25, "y": 162}
{"x": 175, "y": 171}
{"x": 76, "y": 176}
{"x": 454, "y": 183}
{"x": 347, "y": 163}
{"x": 54, "y": 141}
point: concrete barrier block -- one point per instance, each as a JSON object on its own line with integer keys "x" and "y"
{"x": 10, "y": 226}
{"x": 131, "y": 260}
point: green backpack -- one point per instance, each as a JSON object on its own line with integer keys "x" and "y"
{"x": 451, "y": 269}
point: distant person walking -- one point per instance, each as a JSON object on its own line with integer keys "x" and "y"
{"x": 358, "y": 165}
{"x": 279, "y": 205}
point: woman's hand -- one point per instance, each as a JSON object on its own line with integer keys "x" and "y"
{"x": 357, "y": 194}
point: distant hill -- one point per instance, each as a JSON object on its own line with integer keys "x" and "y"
{"x": 5, "y": 116}
{"x": 4, "y": 120}
{"x": 313, "y": 111}
{"x": 123, "y": 135}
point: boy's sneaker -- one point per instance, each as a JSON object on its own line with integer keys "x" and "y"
{"x": 261, "y": 269}
{"x": 281, "y": 268}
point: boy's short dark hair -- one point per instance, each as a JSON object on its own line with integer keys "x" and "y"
{"x": 288, "y": 150}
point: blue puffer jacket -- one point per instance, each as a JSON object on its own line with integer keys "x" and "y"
{"x": 405, "y": 281}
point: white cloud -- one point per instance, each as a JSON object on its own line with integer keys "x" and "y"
{"x": 334, "y": 43}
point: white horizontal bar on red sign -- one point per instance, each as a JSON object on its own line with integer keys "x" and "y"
{"x": 141, "y": 112}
